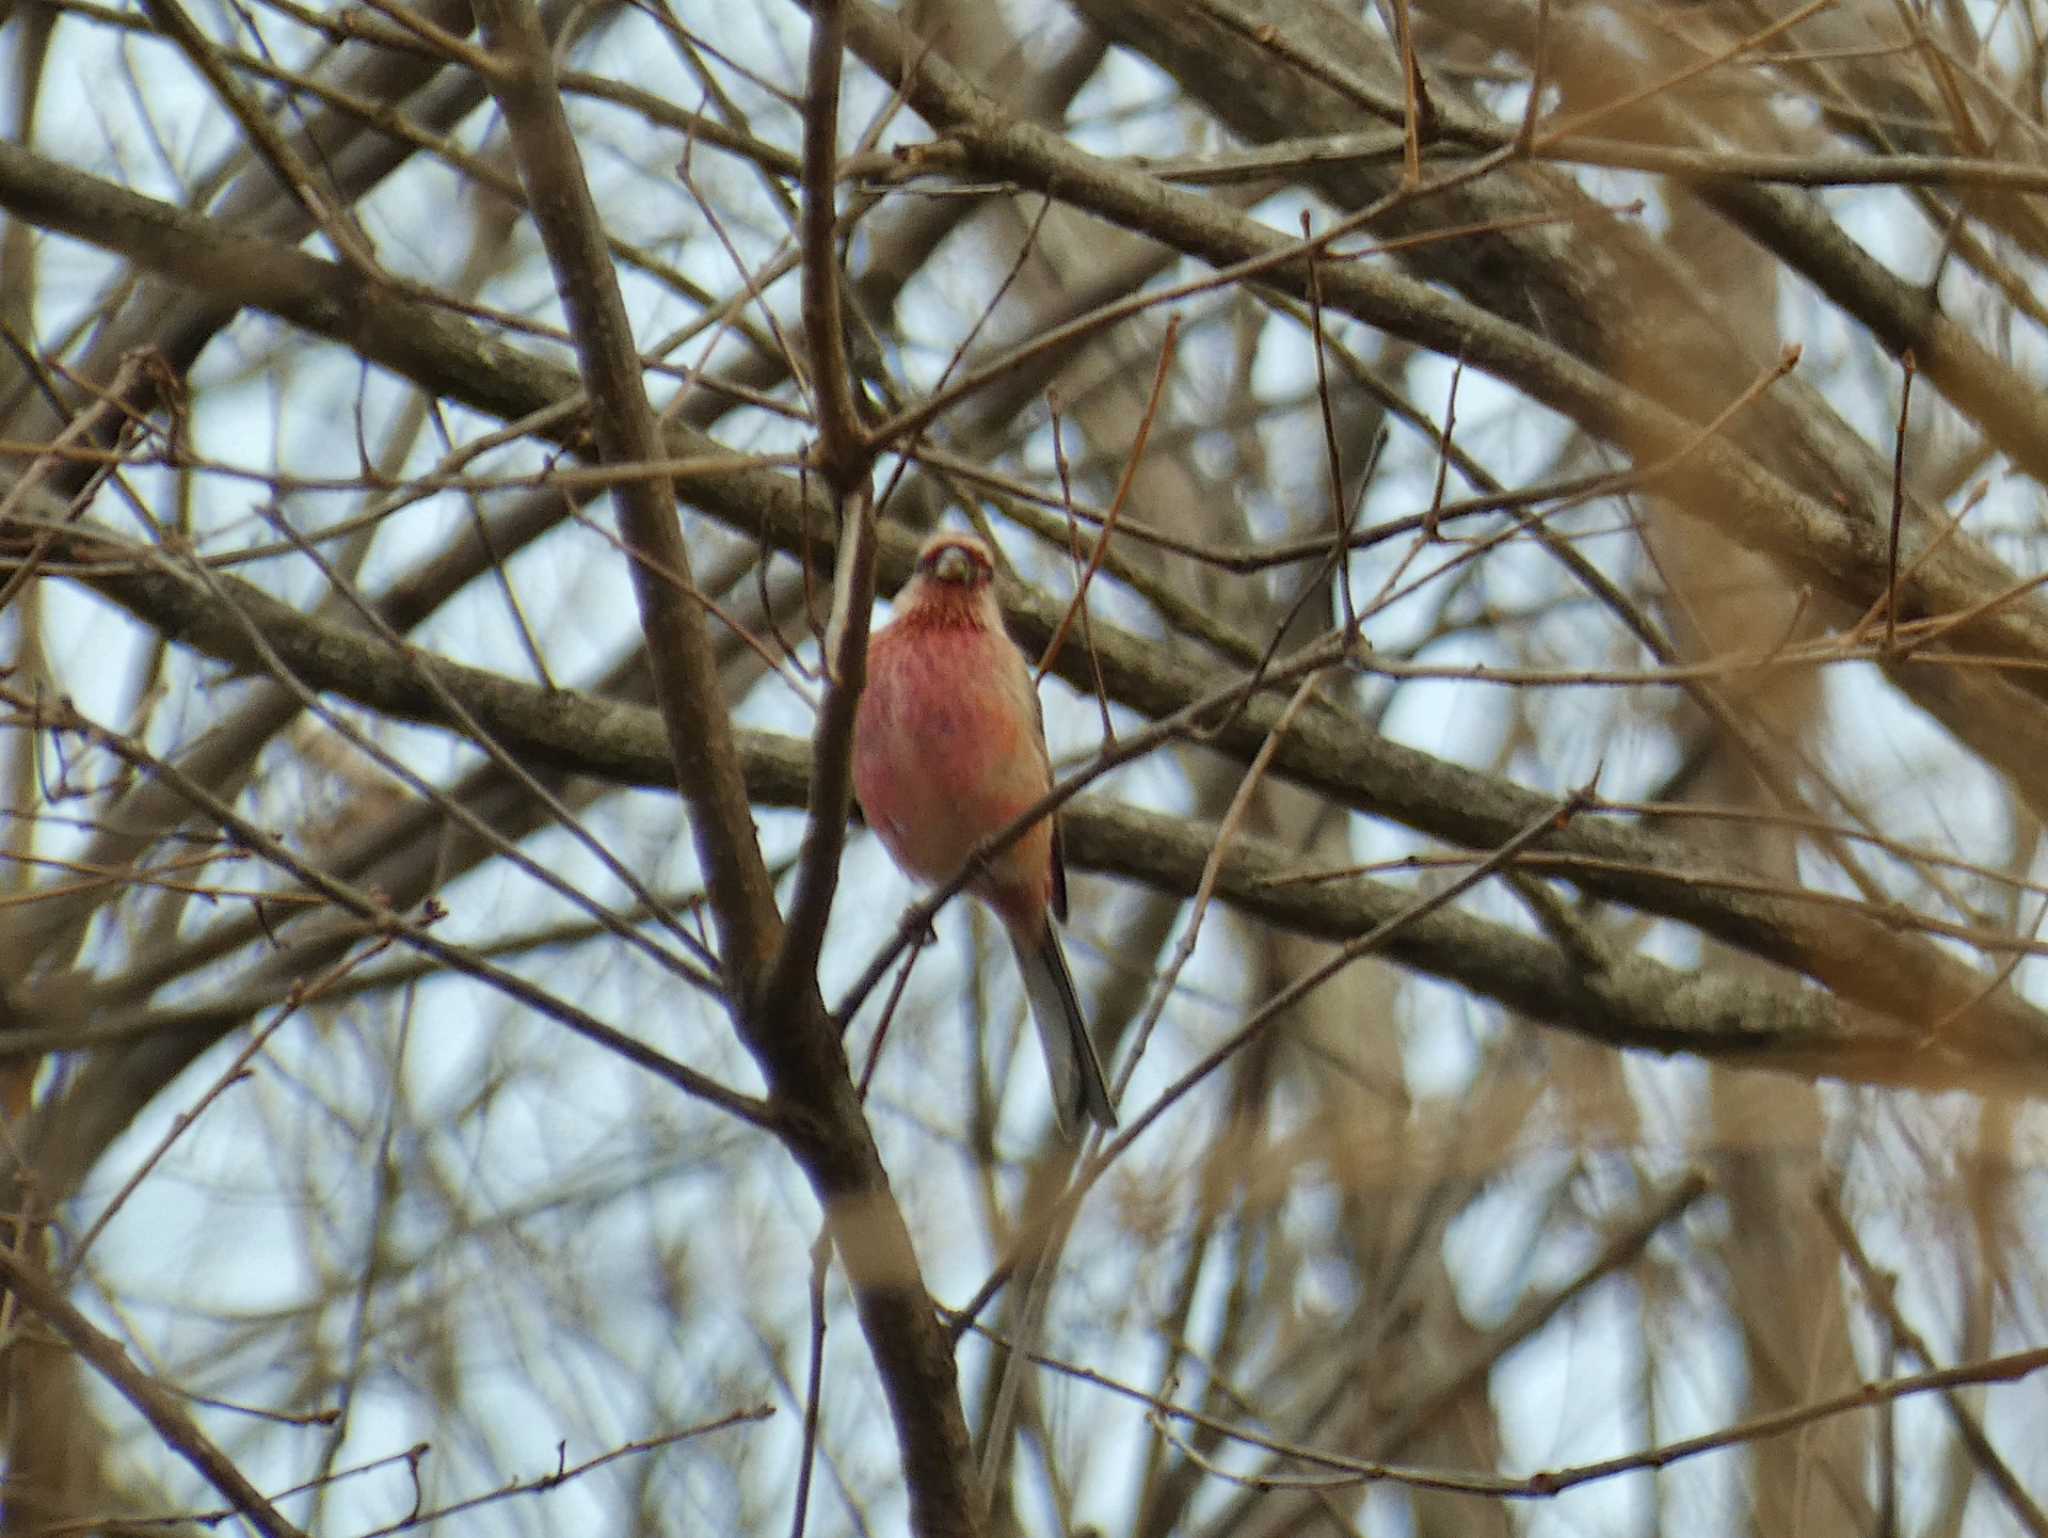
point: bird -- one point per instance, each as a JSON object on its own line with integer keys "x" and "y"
{"x": 948, "y": 750}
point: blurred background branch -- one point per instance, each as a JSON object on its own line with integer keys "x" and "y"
{"x": 424, "y": 446}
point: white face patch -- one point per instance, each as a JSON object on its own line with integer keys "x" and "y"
{"x": 957, "y": 565}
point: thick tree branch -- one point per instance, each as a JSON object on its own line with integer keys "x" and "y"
{"x": 842, "y": 453}
{"x": 1864, "y": 959}
{"x": 781, "y": 1018}
{"x": 1796, "y": 227}
{"x": 1638, "y": 1003}
{"x": 1545, "y": 319}
{"x": 622, "y": 421}
{"x": 1837, "y": 550}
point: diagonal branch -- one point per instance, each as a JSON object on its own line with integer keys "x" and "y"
{"x": 155, "y": 1403}
{"x": 1882, "y": 1294}
{"x": 678, "y": 640}
{"x": 379, "y": 918}
{"x": 843, "y": 451}
{"x": 334, "y": 219}
{"x": 786, "y": 1028}
{"x": 846, "y": 458}
{"x": 1635, "y": 1003}
{"x": 1894, "y": 978}
{"x": 1861, "y": 957}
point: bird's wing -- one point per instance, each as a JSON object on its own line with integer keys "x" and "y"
{"x": 1059, "y": 843}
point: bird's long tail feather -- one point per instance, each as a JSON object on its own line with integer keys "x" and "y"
{"x": 1078, "y": 1087}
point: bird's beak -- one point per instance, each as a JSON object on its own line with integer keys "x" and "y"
{"x": 954, "y": 565}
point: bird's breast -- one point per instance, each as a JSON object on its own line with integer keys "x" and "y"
{"x": 946, "y": 744}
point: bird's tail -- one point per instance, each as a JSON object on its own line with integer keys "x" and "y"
{"x": 1078, "y": 1087}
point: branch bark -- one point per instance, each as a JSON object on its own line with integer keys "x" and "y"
{"x": 1638, "y": 1003}
{"x": 156, "y": 1404}
{"x": 782, "y": 1018}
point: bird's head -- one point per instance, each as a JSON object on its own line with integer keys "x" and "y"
{"x": 953, "y": 585}
{"x": 957, "y": 561}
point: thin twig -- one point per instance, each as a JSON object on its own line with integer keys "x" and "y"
{"x": 843, "y": 453}
{"x": 1341, "y": 513}
{"x": 236, "y": 1070}
{"x": 563, "y": 1472}
{"x": 64, "y": 716}
{"x": 1881, "y": 1294}
{"x": 1344, "y": 1470}
{"x": 1073, "y": 532}
{"x": 1285, "y": 999}
{"x": 155, "y": 1403}
{"x": 814, "y": 1390}
{"x": 1161, "y": 372}
{"x": 1205, "y": 890}
{"x": 1891, "y": 609}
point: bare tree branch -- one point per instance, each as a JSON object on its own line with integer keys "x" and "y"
{"x": 106, "y": 1357}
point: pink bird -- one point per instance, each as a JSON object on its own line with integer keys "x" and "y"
{"x": 948, "y": 750}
